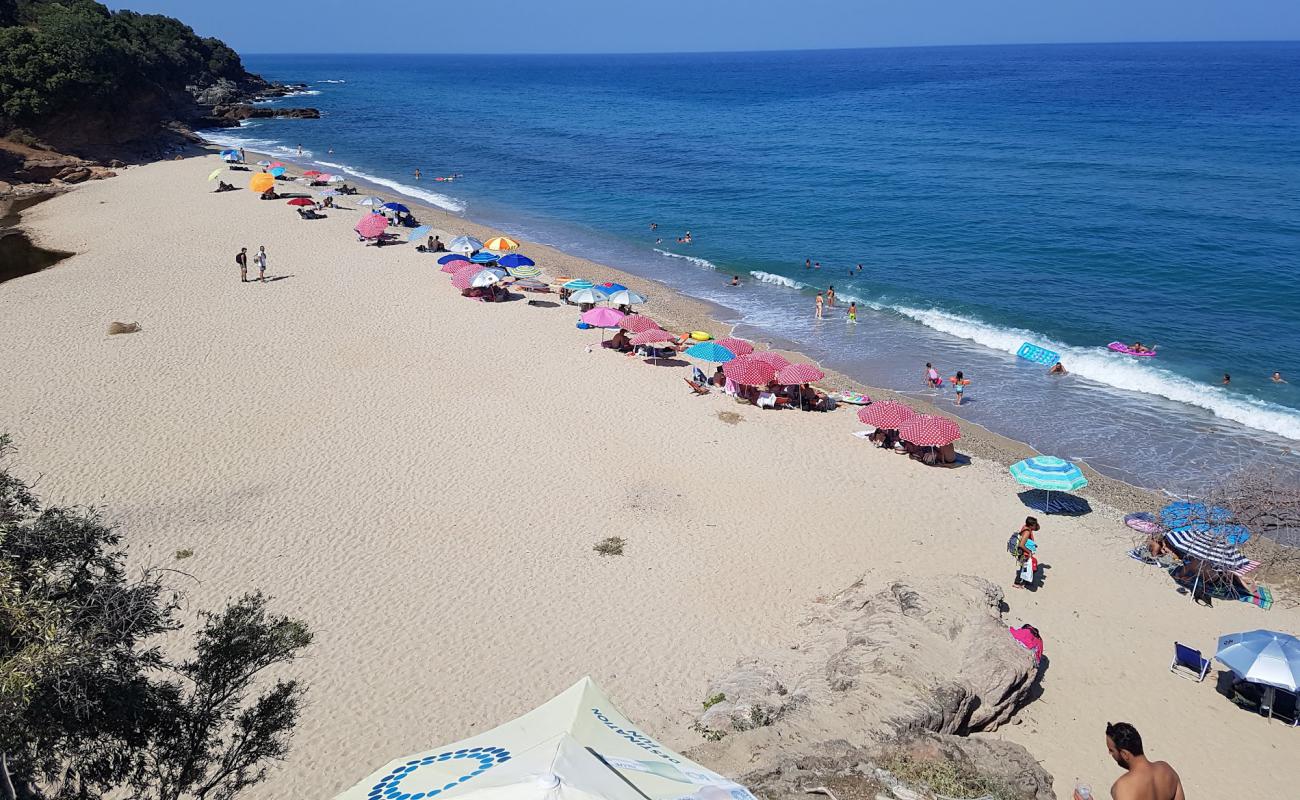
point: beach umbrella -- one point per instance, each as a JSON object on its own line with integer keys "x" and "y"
{"x": 709, "y": 351}
{"x": 230, "y": 151}
{"x": 1185, "y": 517}
{"x": 465, "y": 244}
{"x": 578, "y": 283}
{"x": 276, "y": 164}
{"x": 738, "y": 346}
{"x": 311, "y": 173}
{"x": 591, "y": 295}
{"x": 799, "y": 373}
{"x": 261, "y": 182}
{"x": 398, "y": 207}
{"x": 484, "y": 278}
{"x": 626, "y": 297}
{"x": 302, "y": 201}
{"x": 450, "y": 257}
{"x": 515, "y": 260}
{"x": 576, "y": 746}
{"x": 749, "y": 371}
{"x": 461, "y": 280}
{"x": 419, "y": 233}
{"x": 889, "y": 416}
{"x": 775, "y": 359}
{"x": 524, "y": 272}
{"x": 264, "y": 163}
{"x": 329, "y": 178}
{"x": 371, "y": 226}
{"x": 452, "y": 267}
{"x": 531, "y": 285}
{"x": 929, "y": 431}
{"x": 212, "y": 176}
{"x": 330, "y": 193}
{"x": 1205, "y": 546}
{"x": 1266, "y": 657}
{"x": 655, "y": 336}
{"x": 609, "y": 288}
{"x": 636, "y": 323}
{"x": 1049, "y": 473}
{"x": 602, "y": 317}
{"x": 500, "y": 244}
{"x": 371, "y": 201}
{"x": 277, "y": 172}
{"x": 483, "y": 257}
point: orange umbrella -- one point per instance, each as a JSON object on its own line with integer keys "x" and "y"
{"x": 261, "y": 182}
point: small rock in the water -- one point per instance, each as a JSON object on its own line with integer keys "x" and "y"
{"x": 123, "y": 327}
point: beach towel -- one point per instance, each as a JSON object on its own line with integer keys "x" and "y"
{"x": 1263, "y": 597}
{"x": 730, "y": 388}
{"x": 766, "y": 400}
{"x": 863, "y": 434}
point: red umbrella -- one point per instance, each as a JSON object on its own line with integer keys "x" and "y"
{"x": 652, "y": 337}
{"x": 738, "y": 346}
{"x": 302, "y": 201}
{"x": 462, "y": 280}
{"x": 929, "y": 431}
{"x": 372, "y": 226}
{"x": 452, "y": 266}
{"x": 885, "y": 415}
{"x": 799, "y": 373}
{"x": 638, "y": 323}
{"x": 749, "y": 371}
{"x": 768, "y": 357}
{"x": 311, "y": 173}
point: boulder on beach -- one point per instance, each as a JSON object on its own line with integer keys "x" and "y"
{"x": 875, "y": 669}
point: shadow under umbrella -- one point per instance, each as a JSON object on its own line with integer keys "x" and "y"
{"x": 1055, "y": 503}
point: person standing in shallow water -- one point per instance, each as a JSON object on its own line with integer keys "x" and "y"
{"x": 820, "y": 301}
{"x": 1143, "y": 779}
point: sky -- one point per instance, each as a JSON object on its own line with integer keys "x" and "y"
{"x": 618, "y": 26}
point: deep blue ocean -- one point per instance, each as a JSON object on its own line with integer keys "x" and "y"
{"x": 1063, "y": 195}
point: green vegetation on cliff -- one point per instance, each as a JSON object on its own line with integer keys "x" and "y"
{"x": 60, "y": 58}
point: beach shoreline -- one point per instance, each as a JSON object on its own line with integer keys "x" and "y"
{"x": 681, "y": 312}
{"x": 422, "y": 479}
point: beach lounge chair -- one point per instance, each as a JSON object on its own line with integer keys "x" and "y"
{"x": 1189, "y": 663}
{"x": 1283, "y": 706}
{"x": 698, "y": 376}
{"x": 698, "y": 388}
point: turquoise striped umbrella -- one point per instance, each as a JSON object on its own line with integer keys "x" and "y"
{"x": 1049, "y": 473}
{"x": 578, "y": 283}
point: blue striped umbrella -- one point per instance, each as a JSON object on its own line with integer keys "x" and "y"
{"x": 1048, "y": 473}
{"x": 578, "y": 283}
{"x": 516, "y": 260}
{"x": 709, "y": 351}
{"x": 483, "y": 258}
{"x": 396, "y": 207}
{"x": 1186, "y": 517}
{"x": 1202, "y": 545}
{"x": 277, "y": 172}
{"x": 419, "y": 233}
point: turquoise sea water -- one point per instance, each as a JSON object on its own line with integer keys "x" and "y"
{"x": 1063, "y": 195}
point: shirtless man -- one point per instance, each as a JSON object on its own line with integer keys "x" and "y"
{"x": 1143, "y": 779}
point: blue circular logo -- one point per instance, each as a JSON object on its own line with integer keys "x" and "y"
{"x": 481, "y": 760}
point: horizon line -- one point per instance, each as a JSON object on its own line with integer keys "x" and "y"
{"x": 765, "y": 50}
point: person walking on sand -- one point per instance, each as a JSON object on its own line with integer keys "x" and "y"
{"x": 241, "y": 258}
{"x": 1143, "y": 779}
{"x": 1025, "y": 548}
{"x": 820, "y": 301}
{"x": 260, "y": 258}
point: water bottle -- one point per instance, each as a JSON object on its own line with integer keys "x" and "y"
{"x": 1083, "y": 791}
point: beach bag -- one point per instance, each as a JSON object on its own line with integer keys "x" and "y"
{"x": 1027, "y": 570}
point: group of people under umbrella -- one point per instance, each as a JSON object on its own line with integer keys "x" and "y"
{"x": 924, "y": 437}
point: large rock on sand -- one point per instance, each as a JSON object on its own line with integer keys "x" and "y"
{"x": 923, "y": 660}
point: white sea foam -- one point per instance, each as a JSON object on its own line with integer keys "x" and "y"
{"x": 779, "y": 280}
{"x": 327, "y": 80}
{"x": 439, "y": 200}
{"x": 700, "y": 262}
{"x": 1100, "y": 365}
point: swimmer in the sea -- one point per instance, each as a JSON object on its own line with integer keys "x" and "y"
{"x": 735, "y": 280}
{"x": 1227, "y": 379}
{"x": 1277, "y": 378}
{"x": 1057, "y": 369}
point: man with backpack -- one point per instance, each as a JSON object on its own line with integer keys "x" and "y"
{"x": 241, "y": 258}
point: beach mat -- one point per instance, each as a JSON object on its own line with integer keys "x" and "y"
{"x": 1263, "y": 597}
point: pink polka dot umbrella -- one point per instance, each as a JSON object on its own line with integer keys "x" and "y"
{"x": 749, "y": 371}
{"x": 885, "y": 415}
{"x": 638, "y": 323}
{"x": 929, "y": 431}
{"x": 799, "y": 373}
{"x": 776, "y": 360}
{"x": 738, "y": 346}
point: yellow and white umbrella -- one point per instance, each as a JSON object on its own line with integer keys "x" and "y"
{"x": 500, "y": 244}
{"x": 212, "y": 176}
{"x": 576, "y": 746}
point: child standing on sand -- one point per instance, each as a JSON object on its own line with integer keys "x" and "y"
{"x": 819, "y": 305}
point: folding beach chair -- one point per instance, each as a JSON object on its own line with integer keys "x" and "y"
{"x": 698, "y": 388}
{"x": 1188, "y": 663}
{"x": 1281, "y": 704}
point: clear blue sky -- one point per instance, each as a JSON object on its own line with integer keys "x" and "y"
{"x": 607, "y": 26}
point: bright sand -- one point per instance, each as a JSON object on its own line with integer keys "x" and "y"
{"x": 422, "y": 478}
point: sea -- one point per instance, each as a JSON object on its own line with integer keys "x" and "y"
{"x": 1066, "y": 196}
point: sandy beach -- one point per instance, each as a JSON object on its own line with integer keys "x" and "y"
{"x": 422, "y": 478}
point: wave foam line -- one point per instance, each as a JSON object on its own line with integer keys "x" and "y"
{"x": 1100, "y": 365}
{"x": 778, "y": 280}
{"x": 700, "y": 262}
{"x": 439, "y": 200}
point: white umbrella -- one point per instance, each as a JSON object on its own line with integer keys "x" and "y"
{"x": 627, "y": 297}
{"x": 371, "y": 201}
{"x": 484, "y": 278}
{"x": 465, "y": 244}
{"x": 592, "y": 295}
{"x": 330, "y": 193}
{"x": 1266, "y": 657}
